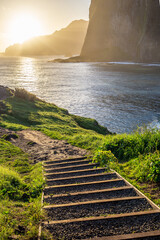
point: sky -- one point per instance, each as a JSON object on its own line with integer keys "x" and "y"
{"x": 46, "y": 16}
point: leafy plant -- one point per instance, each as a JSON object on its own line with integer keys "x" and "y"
{"x": 129, "y": 146}
{"x": 104, "y": 158}
{"x": 154, "y": 174}
{"x": 22, "y": 93}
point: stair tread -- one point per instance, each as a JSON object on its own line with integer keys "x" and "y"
{"x": 72, "y": 163}
{"x": 67, "y": 159}
{"x": 84, "y": 176}
{"x": 82, "y": 165}
{"x": 113, "y": 216}
{"x": 129, "y": 236}
{"x": 90, "y": 192}
{"x": 88, "y": 183}
{"x": 78, "y": 171}
{"x": 94, "y": 202}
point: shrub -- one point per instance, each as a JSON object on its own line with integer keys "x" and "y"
{"x": 11, "y": 184}
{"x": 22, "y": 93}
{"x": 90, "y": 124}
{"x": 129, "y": 146}
{"x": 149, "y": 168}
{"x": 154, "y": 174}
{"x": 145, "y": 168}
{"x": 104, "y": 158}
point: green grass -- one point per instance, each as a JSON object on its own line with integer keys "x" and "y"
{"x": 55, "y": 122}
{"x": 129, "y": 146}
{"x": 145, "y": 168}
{"x": 21, "y": 185}
{"x": 136, "y": 157}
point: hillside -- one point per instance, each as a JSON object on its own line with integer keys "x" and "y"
{"x": 24, "y": 110}
{"x": 67, "y": 41}
{"x": 43, "y": 131}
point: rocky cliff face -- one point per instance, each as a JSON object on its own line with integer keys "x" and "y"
{"x": 123, "y": 30}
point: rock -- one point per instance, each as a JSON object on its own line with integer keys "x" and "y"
{"x": 121, "y": 30}
{"x": 5, "y": 92}
{"x": 10, "y": 136}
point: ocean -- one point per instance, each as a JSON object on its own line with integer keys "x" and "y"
{"x": 120, "y": 96}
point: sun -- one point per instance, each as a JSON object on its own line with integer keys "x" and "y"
{"x": 23, "y": 27}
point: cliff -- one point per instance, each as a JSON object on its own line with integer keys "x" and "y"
{"x": 67, "y": 41}
{"x": 121, "y": 30}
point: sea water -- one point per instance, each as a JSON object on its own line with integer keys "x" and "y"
{"x": 120, "y": 96}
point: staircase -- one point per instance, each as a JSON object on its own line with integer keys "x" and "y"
{"x": 86, "y": 202}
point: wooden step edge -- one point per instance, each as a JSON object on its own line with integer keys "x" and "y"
{"x": 73, "y": 166}
{"x": 89, "y": 192}
{"x": 40, "y": 223}
{"x": 154, "y": 206}
{"x": 73, "y": 162}
{"x": 81, "y": 177}
{"x": 83, "y": 184}
{"x": 113, "y": 216}
{"x": 130, "y": 236}
{"x": 93, "y": 202}
{"x": 78, "y": 171}
{"x": 65, "y": 159}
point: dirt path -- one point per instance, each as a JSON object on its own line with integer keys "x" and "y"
{"x": 40, "y": 147}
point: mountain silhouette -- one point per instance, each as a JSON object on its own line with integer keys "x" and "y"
{"x": 68, "y": 41}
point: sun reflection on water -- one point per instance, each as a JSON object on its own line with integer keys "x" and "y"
{"x": 28, "y": 73}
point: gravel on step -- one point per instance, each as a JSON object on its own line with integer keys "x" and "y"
{"x": 64, "y": 161}
{"x": 82, "y": 179}
{"x": 73, "y": 168}
{"x": 84, "y": 187}
{"x": 105, "y": 227}
{"x": 66, "y": 164}
{"x": 76, "y": 173}
{"x": 97, "y": 209}
{"x": 84, "y": 197}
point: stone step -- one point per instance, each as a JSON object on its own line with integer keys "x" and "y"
{"x": 112, "y": 225}
{"x": 73, "y": 168}
{"x": 153, "y": 235}
{"x": 68, "y": 164}
{"x": 71, "y": 188}
{"x": 97, "y": 208}
{"x": 74, "y": 173}
{"x": 90, "y": 195}
{"x": 82, "y": 179}
{"x": 63, "y": 160}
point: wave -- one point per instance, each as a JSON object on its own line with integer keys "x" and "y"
{"x": 154, "y": 125}
{"x": 139, "y": 64}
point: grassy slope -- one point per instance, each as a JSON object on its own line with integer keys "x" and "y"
{"x": 21, "y": 186}
{"x": 53, "y": 121}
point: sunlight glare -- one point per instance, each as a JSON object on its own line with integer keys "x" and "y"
{"x": 24, "y": 27}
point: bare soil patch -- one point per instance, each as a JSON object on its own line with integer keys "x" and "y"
{"x": 40, "y": 147}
